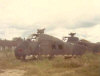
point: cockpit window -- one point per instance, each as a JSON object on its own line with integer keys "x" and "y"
{"x": 60, "y": 47}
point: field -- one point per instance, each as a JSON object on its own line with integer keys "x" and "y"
{"x": 86, "y": 65}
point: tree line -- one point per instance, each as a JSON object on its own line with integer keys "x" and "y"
{"x": 10, "y": 44}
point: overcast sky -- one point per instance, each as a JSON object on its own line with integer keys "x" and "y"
{"x": 20, "y": 18}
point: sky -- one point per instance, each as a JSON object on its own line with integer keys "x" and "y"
{"x": 20, "y": 18}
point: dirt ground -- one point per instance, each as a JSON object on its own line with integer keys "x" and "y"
{"x": 12, "y": 72}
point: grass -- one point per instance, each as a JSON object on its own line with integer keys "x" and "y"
{"x": 86, "y": 65}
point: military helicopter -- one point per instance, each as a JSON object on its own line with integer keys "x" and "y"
{"x": 44, "y": 44}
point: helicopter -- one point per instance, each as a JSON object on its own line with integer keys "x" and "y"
{"x": 39, "y": 44}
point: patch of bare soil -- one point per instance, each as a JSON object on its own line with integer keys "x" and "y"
{"x": 12, "y": 72}
{"x": 1, "y": 71}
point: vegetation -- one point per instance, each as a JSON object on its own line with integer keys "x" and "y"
{"x": 86, "y": 65}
